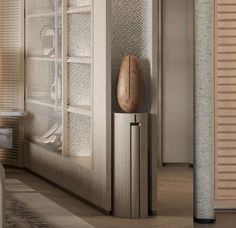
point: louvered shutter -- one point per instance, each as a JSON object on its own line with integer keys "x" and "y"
{"x": 225, "y": 99}
{"x": 12, "y": 73}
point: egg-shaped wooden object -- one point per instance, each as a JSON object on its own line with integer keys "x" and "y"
{"x": 130, "y": 85}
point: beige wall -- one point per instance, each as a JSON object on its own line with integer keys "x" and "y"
{"x": 177, "y": 81}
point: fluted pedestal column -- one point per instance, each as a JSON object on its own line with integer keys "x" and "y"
{"x": 130, "y": 165}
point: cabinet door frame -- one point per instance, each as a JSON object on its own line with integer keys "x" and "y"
{"x": 99, "y": 175}
{"x": 101, "y": 186}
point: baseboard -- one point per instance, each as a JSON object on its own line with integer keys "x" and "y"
{"x": 178, "y": 164}
{"x": 191, "y": 165}
{"x": 152, "y": 213}
{"x": 204, "y": 221}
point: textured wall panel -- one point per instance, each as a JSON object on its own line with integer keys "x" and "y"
{"x": 79, "y": 3}
{"x": 79, "y": 30}
{"x": 132, "y": 34}
{"x": 134, "y": 31}
{"x": 79, "y": 135}
{"x": 79, "y": 84}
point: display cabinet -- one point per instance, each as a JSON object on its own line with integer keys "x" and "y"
{"x": 55, "y": 62}
{"x": 68, "y": 98}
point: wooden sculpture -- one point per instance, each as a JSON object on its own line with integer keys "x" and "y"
{"x": 130, "y": 85}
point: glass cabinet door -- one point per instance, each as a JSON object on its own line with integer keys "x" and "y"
{"x": 44, "y": 73}
{"x": 78, "y": 68}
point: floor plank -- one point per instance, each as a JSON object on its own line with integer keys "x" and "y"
{"x": 175, "y": 202}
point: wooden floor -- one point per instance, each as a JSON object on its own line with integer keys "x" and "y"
{"x": 174, "y": 202}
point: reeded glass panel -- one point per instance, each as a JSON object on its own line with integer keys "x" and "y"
{"x": 44, "y": 73}
{"x": 79, "y": 3}
{"x": 79, "y": 135}
{"x": 79, "y": 82}
{"x": 79, "y": 29}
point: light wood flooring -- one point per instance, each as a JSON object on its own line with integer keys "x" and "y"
{"x": 174, "y": 202}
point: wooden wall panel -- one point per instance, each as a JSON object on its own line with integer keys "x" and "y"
{"x": 177, "y": 88}
{"x": 225, "y": 100}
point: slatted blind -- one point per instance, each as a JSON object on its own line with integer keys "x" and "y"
{"x": 11, "y": 53}
{"x": 12, "y": 73}
{"x": 225, "y": 99}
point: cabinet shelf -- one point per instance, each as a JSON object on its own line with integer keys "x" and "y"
{"x": 42, "y": 58}
{"x": 49, "y": 14}
{"x": 41, "y": 103}
{"x": 82, "y": 9}
{"x": 82, "y": 110}
{"x": 84, "y": 161}
{"x": 44, "y": 147}
{"x": 85, "y": 60}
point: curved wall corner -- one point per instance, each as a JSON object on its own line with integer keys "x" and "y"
{"x": 134, "y": 31}
{"x": 204, "y": 113}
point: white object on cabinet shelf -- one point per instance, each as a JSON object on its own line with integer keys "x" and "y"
{"x": 38, "y": 15}
{"x": 85, "y": 60}
{"x": 82, "y": 110}
{"x": 42, "y": 58}
{"x": 84, "y": 9}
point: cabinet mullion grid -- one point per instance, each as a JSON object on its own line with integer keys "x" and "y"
{"x": 65, "y": 78}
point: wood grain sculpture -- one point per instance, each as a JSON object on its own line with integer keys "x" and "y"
{"x": 130, "y": 85}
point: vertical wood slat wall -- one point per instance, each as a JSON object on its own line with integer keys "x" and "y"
{"x": 12, "y": 72}
{"x": 225, "y": 99}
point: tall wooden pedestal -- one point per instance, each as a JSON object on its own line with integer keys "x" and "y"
{"x": 130, "y": 165}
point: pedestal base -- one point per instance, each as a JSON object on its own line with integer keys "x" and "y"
{"x": 130, "y": 165}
